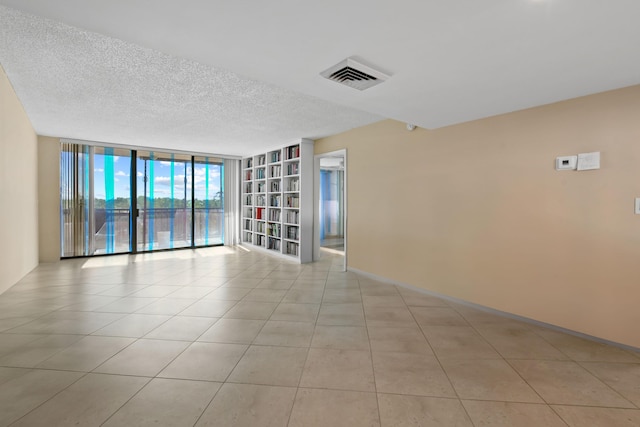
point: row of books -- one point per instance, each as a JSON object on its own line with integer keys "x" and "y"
{"x": 248, "y": 224}
{"x": 293, "y": 184}
{"x": 274, "y": 156}
{"x": 292, "y": 152}
{"x": 293, "y": 233}
{"x": 248, "y": 187}
{"x": 261, "y": 200}
{"x": 274, "y": 171}
{"x": 248, "y": 175}
{"x": 274, "y": 215}
{"x": 274, "y": 230}
{"x": 292, "y": 201}
{"x": 261, "y": 159}
{"x": 293, "y": 168}
{"x": 292, "y": 248}
{"x": 273, "y": 244}
{"x": 260, "y": 173}
{"x": 292, "y": 217}
{"x": 275, "y": 200}
{"x": 259, "y": 213}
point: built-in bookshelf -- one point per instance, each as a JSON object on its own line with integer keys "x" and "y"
{"x": 277, "y": 195}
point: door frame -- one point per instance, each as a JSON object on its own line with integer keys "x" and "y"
{"x": 316, "y": 195}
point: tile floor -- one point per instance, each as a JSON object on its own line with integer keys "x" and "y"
{"x": 225, "y": 337}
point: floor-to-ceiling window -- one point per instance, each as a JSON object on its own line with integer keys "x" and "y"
{"x": 208, "y": 201}
{"x": 173, "y": 201}
{"x": 95, "y": 200}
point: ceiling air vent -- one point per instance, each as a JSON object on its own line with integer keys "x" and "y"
{"x": 354, "y": 74}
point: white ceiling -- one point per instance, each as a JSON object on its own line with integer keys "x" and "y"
{"x": 163, "y": 61}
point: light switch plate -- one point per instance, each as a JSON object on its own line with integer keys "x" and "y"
{"x": 637, "y": 205}
{"x": 589, "y": 161}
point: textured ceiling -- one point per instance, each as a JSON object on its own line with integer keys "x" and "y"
{"x": 83, "y": 85}
{"x": 450, "y": 61}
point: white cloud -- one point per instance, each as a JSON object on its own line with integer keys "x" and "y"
{"x": 121, "y": 173}
{"x": 140, "y": 175}
{"x": 98, "y": 170}
{"x": 165, "y": 163}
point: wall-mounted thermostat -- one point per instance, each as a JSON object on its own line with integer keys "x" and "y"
{"x": 589, "y": 161}
{"x": 566, "y": 163}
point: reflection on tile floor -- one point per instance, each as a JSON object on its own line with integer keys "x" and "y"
{"x": 225, "y": 337}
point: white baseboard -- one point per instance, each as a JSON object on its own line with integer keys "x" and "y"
{"x": 492, "y": 310}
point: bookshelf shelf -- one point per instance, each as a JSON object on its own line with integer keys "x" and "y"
{"x": 277, "y": 194}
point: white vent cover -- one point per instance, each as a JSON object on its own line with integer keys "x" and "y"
{"x": 354, "y": 74}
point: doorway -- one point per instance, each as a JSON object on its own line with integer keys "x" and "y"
{"x": 331, "y": 212}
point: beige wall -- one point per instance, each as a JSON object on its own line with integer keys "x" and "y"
{"x": 18, "y": 189}
{"x": 49, "y": 198}
{"x": 476, "y": 211}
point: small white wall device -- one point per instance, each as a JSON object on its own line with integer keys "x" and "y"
{"x": 566, "y": 163}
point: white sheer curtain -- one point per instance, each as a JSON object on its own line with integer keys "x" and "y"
{"x": 231, "y": 202}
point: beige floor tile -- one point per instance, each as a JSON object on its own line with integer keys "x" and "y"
{"x": 166, "y": 402}
{"x": 21, "y": 394}
{"x": 377, "y": 289}
{"x": 12, "y": 342}
{"x": 304, "y": 296}
{"x": 252, "y": 310}
{"x": 8, "y": 374}
{"x": 437, "y": 316}
{"x": 338, "y": 370}
{"x": 309, "y": 284}
{"x": 208, "y": 308}
{"x": 350, "y": 314}
{"x": 406, "y": 411}
{"x": 458, "y": 342}
{"x": 34, "y": 352}
{"x": 242, "y": 283}
{"x": 417, "y": 299}
{"x": 167, "y": 306}
{"x": 127, "y": 305}
{"x": 205, "y": 361}
{"x": 191, "y": 292}
{"x": 155, "y": 291}
{"x": 90, "y": 401}
{"x": 122, "y": 290}
{"x": 265, "y": 295}
{"x": 488, "y": 380}
{"x": 510, "y": 414}
{"x": 567, "y": 383}
{"x": 86, "y": 354}
{"x": 583, "y": 350}
{"x": 340, "y": 337}
{"x": 406, "y": 340}
{"x": 417, "y": 374}
{"x": 622, "y": 377}
{"x": 518, "y": 342}
{"x": 341, "y": 296}
{"x": 185, "y": 328}
{"x": 280, "y": 366}
{"x": 143, "y": 358}
{"x": 296, "y": 312}
{"x": 275, "y": 284}
{"x": 133, "y": 325}
{"x": 479, "y": 317}
{"x": 234, "y": 331}
{"x": 228, "y": 294}
{"x": 389, "y": 317}
{"x": 342, "y": 284}
{"x": 335, "y": 408}
{"x": 289, "y": 334}
{"x": 383, "y": 301}
{"x": 238, "y": 405}
{"x": 577, "y": 416}
{"x": 67, "y": 322}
